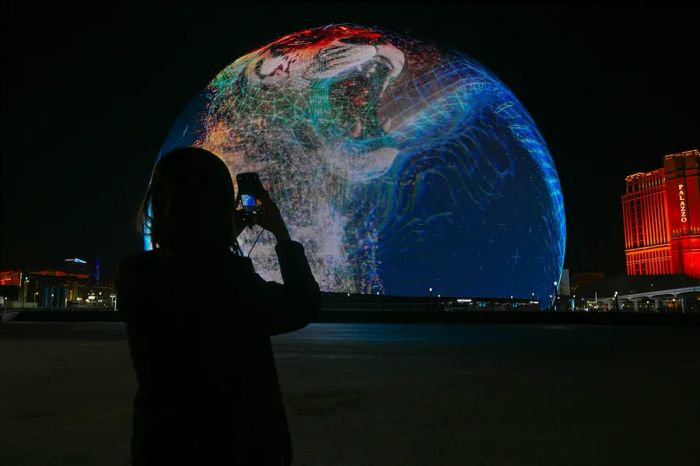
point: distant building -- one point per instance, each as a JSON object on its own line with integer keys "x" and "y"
{"x": 564, "y": 286}
{"x": 584, "y": 278}
{"x": 661, "y": 217}
{"x": 68, "y": 286}
{"x": 50, "y": 289}
{"x": 640, "y": 293}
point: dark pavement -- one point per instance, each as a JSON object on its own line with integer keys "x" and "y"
{"x": 389, "y": 394}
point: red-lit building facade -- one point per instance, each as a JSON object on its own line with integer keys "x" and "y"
{"x": 661, "y": 215}
{"x": 69, "y": 286}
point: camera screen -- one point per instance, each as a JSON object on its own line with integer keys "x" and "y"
{"x": 249, "y": 201}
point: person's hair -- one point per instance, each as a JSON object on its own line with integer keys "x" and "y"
{"x": 190, "y": 200}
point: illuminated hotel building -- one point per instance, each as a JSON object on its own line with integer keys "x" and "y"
{"x": 661, "y": 215}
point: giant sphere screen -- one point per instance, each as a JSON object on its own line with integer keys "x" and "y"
{"x": 399, "y": 164}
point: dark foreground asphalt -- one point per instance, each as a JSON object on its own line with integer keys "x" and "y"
{"x": 389, "y": 394}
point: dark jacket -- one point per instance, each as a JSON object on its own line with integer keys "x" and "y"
{"x": 199, "y": 335}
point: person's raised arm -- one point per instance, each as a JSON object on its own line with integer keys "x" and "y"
{"x": 296, "y": 303}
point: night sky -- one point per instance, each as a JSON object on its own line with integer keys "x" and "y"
{"x": 88, "y": 97}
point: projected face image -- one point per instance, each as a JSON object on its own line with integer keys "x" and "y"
{"x": 399, "y": 165}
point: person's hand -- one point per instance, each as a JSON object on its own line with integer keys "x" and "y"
{"x": 239, "y": 222}
{"x": 272, "y": 219}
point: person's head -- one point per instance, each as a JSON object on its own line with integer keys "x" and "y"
{"x": 190, "y": 203}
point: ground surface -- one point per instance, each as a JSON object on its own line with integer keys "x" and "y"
{"x": 388, "y": 394}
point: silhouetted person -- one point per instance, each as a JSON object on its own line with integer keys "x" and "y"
{"x": 199, "y": 321}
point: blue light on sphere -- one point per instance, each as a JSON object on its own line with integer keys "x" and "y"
{"x": 398, "y": 164}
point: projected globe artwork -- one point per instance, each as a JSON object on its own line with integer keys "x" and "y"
{"x": 400, "y": 165}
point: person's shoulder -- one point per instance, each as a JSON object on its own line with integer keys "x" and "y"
{"x": 138, "y": 260}
{"x": 135, "y": 265}
{"x": 143, "y": 262}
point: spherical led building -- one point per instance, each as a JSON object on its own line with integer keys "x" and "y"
{"x": 400, "y": 165}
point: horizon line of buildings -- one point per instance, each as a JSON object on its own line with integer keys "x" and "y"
{"x": 72, "y": 285}
{"x": 661, "y": 220}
